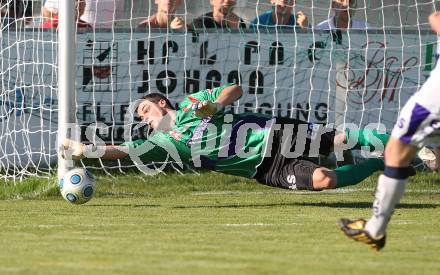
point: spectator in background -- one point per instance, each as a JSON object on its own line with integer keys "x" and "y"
{"x": 165, "y": 17}
{"x": 13, "y": 10}
{"x": 280, "y": 16}
{"x": 221, "y": 16}
{"x": 91, "y": 13}
{"x": 50, "y": 10}
{"x": 342, "y": 17}
{"x": 103, "y": 13}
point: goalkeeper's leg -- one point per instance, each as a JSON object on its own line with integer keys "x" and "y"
{"x": 346, "y": 175}
{"x": 306, "y": 175}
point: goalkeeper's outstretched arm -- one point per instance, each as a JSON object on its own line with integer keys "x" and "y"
{"x": 114, "y": 152}
{"x": 75, "y": 150}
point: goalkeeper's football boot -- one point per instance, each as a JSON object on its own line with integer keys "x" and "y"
{"x": 355, "y": 230}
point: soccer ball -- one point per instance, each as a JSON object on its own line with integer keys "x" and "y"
{"x": 430, "y": 157}
{"x": 77, "y": 186}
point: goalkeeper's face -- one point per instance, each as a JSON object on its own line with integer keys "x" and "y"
{"x": 152, "y": 113}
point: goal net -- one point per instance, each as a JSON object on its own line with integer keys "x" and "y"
{"x": 346, "y": 75}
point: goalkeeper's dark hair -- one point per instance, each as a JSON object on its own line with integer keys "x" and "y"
{"x": 156, "y": 97}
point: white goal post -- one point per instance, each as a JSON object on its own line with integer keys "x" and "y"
{"x": 66, "y": 77}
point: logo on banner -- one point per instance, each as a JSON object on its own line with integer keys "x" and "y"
{"x": 99, "y": 66}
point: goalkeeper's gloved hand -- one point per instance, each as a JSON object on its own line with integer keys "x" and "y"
{"x": 206, "y": 108}
{"x": 71, "y": 149}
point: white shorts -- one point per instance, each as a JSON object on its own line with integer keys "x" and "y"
{"x": 419, "y": 120}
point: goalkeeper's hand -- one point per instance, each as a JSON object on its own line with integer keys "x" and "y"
{"x": 206, "y": 108}
{"x": 71, "y": 149}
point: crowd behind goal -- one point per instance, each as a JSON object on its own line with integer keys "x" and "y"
{"x": 221, "y": 14}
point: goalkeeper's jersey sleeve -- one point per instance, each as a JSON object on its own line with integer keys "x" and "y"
{"x": 158, "y": 148}
{"x": 208, "y": 94}
{"x": 228, "y": 143}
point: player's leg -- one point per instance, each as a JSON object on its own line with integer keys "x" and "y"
{"x": 391, "y": 185}
{"x": 390, "y": 189}
{"x": 302, "y": 174}
{"x": 323, "y": 178}
{"x": 294, "y": 174}
{"x": 417, "y": 125}
{"x": 353, "y": 174}
{"x": 349, "y": 174}
{"x": 305, "y": 175}
{"x": 345, "y": 175}
{"x": 297, "y": 174}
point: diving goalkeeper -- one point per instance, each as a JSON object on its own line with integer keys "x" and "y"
{"x": 274, "y": 151}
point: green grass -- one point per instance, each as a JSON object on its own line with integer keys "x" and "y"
{"x": 210, "y": 224}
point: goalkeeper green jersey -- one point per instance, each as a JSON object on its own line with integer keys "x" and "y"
{"x": 228, "y": 143}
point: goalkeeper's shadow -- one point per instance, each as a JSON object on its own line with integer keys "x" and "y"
{"x": 124, "y": 205}
{"x": 366, "y": 205}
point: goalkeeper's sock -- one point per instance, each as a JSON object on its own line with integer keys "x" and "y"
{"x": 353, "y": 174}
{"x": 388, "y": 194}
{"x": 367, "y": 137}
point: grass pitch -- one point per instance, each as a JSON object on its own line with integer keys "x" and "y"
{"x": 210, "y": 224}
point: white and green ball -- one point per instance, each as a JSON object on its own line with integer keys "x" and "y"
{"x": 77, "y": 185}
